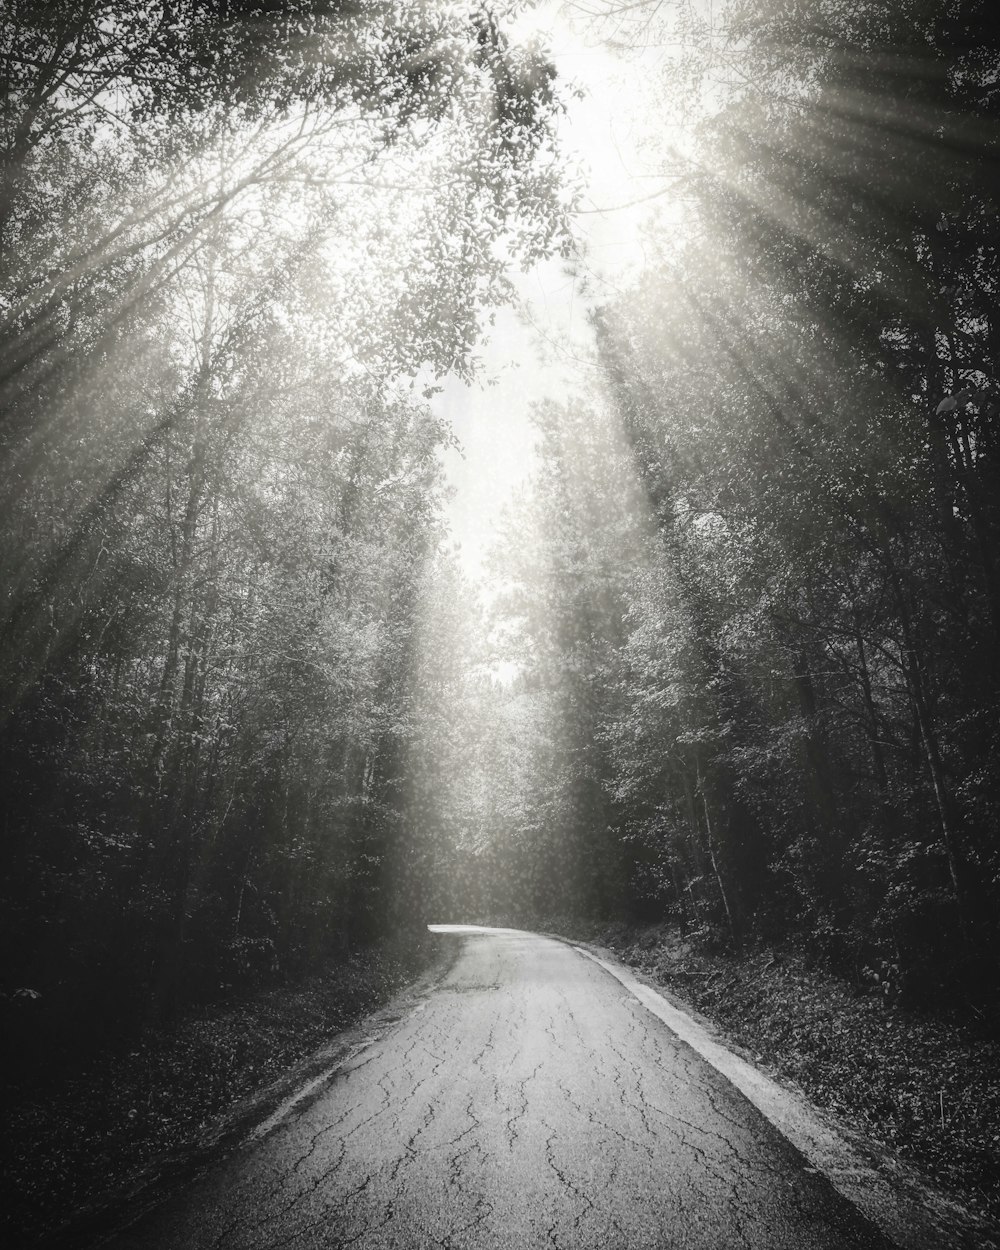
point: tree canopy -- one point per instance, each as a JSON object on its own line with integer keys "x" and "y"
{"x": 736, "y": 660}
{"x": 238, "y": 244}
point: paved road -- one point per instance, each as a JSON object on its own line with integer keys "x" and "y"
{"x": 528, "y": 1100}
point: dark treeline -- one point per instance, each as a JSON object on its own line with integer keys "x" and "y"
{"x": 778, "y": 691}
{"x": 232, "y": 236}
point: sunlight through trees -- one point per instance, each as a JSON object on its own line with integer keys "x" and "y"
{"x": 733, "y": 657}
{"x": 238, "y": 245}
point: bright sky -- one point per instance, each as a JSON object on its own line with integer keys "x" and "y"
{"x": 540, "y": 349}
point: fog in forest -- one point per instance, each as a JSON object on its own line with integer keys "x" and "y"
{"x": 522, "y": 464}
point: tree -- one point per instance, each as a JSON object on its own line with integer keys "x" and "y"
{"x": 238, "y": 245}
{"x": 806, "y": 382}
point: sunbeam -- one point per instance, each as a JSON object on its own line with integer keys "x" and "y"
{"x": 480, "y": 474}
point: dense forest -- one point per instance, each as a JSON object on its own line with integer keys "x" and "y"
{"x": 751, "y": 594}
{"x": 239, "y": 243}
{"x": 739, "y": 661}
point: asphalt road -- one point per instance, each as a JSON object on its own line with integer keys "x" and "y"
{"x": 528, "y": 1100}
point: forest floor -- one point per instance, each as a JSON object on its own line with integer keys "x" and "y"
{"x": 108, "y": 1123}
{"x": 926, "y": 1087}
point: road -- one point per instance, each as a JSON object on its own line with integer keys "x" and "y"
{"x": 528, "y": 1100}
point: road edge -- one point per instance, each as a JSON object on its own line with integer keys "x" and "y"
{"x": 886, "y": 1191}
{"x": 248, "y": 1121}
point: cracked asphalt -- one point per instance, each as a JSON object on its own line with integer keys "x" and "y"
{"x": 527, "y": 1100}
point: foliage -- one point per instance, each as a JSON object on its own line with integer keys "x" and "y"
{"x": 758, "y": 628}
{"x": 814, "y": 423}
{"x": 238, "y": 244}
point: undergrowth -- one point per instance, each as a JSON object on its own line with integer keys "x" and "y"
{"x": 926, "y": 1086}
{"x": 90, "y": 1131}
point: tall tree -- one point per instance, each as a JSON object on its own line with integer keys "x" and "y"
{"x": 236, "y": 245}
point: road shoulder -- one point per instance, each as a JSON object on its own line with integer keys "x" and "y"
{"x": 120, "y": 1194}
{"x": 886, "y": 1190}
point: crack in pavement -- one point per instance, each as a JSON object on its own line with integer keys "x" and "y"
{"x": 531, "y": 1101}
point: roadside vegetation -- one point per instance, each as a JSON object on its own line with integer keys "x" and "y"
{"x": 239, "y": 246}
{"x": 925, "y": 1085}
{"x": 95, "y": 1125}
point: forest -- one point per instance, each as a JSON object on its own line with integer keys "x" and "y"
{"x": 736, "y": 663}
